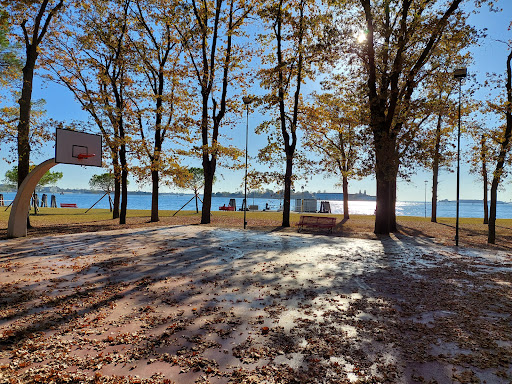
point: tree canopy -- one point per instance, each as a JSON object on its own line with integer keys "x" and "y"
{"x": 49, "y": 178}
{"x": 105, "y": 182}
{"x": 10, "y": 62}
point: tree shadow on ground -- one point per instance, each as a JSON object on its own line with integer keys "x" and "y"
{"x": 445, "y": 234}
{"x": 275, "y": 308}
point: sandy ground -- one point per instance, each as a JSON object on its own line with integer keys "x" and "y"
{"x": 189, "y": 304}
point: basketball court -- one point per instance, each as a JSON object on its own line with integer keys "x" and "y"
{"x": 190, "y": 304}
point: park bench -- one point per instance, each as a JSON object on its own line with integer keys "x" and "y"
{"x": 68, "y": 205}
{"x": 316, "y": 222}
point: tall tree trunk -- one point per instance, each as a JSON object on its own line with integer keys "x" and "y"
{"x": 155, "y": 179}
{"x": 287, "y": 191}
{"x": 117, "y": 186}
{"x": 491, "y": 237}
{"x": 208, "y": 169}
{"x": 393, "y": 201}
{"x": 197, "y": 206}
{"x": 124, "y": 195}
{"x": 289, "y": 137}
{"x": 344, "y": 167}
{"x": 124, "y": 179}
{"x": 209, "y": 172}
{"x": 118, "y": 121}
{"x": 156, "y": 160}
{"x": 25, "y": 103}
{"x": 486, "y": 203}
{"x": 345, "y": 197}
{"x": 383, "y": 222}
{"x": 385, "y": 174}
{"x": 435, "y": 182}
{"x": 435, "y": 169}
{"x": 154, "y": 196}
{"x": 31, "y": 50}
{"x": 483, "y": 158}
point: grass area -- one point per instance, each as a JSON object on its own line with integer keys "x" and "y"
{"x": 473, "y": 232}
{"x": 53, "y": 216}
{"x": 49, "y": 216}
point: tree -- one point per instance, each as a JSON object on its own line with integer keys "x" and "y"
{"x": 440, "y": 154}
{"x": 41, "y": 15}
{"x": 195, "y": 182}
{"x": 400, "y": 40}
{"x": 91, "y": 59}
{"x": 207, "y": 31}
{"x": 10, "y": 63}
{"x": 161, "y": 99}
{"x": 437, "y": 108}
{"x": 49, "y": 178}
{"x": 105, "y": 182}
{"x": 294, "y": 34}
{"x": 505, "y": 107}
{"x": 334, "y": 120}
{"x": 39, "y": 132}
{"x": 481, "y": 155}
{"x": 10, "y": 72}
{"x": 435, "y": 147}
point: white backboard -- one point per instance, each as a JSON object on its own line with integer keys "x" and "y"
{"x": 72, "y": 147}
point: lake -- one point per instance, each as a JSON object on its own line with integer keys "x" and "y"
{"x": 175, "y": 202}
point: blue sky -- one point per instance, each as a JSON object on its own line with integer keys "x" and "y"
{"x": 489, "y": 57}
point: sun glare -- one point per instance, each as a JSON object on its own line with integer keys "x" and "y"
{"x": 361, "y": 37}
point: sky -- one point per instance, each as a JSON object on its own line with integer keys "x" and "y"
{"x": 489, "y": 57}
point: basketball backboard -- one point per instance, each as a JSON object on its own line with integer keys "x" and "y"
{"x": 72, "y": 147}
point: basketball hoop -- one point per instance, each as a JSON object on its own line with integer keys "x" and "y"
{"x": 82, "y": 156}
{"x": 79, "y": 148}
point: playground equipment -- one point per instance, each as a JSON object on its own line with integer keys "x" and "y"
{"x": 71, "y": 147}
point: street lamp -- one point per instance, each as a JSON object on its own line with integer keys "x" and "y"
{"x": 458, "y": 74}
{"x": 426, "y": 198}
{"x": 247, "y": 100}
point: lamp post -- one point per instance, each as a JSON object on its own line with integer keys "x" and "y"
{"x": 425, "y": 198}
{"x": 247, "y": 100}
{"x": 458, "y": 74}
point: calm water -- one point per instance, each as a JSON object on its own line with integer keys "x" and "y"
{"x": 174, "y": 202}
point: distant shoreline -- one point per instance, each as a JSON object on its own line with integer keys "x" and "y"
{"x": 319, "y": 197}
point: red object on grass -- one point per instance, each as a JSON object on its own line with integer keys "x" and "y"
{"x": 68, "y": 205}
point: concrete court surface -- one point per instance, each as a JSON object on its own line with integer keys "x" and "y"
{"x": 206, "y": 305}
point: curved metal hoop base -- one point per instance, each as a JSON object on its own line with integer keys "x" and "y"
{"x": 18, "y": 217}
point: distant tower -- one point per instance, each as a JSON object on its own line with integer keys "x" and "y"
{"x": 365, "y": 192}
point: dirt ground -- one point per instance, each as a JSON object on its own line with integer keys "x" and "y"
{"x": 194, "y": 304}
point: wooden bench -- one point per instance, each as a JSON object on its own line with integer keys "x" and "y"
{"x": 316, "y": 222}
{"x": 68, "y": 205}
